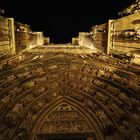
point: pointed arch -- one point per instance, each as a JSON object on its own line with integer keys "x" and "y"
{"x": 90, "y": 119}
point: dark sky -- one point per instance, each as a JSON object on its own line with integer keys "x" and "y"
{"x": 62, "y": 19}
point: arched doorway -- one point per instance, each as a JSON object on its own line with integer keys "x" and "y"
{"x": 64, "y": 119}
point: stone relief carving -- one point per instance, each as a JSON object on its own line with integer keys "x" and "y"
{"x": 112, "y": 26}
{"x": 132, "y": 34}
{"x": 64, "y": 119}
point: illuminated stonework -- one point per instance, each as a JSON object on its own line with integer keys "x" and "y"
{"x": 85, "y": 90}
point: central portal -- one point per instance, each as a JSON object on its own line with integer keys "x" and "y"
{"x": 64, "y": 121}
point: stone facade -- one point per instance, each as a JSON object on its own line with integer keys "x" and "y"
{"x": 85, "y": 90}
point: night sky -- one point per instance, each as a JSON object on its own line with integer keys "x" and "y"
{"x": 63, "y": 19}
